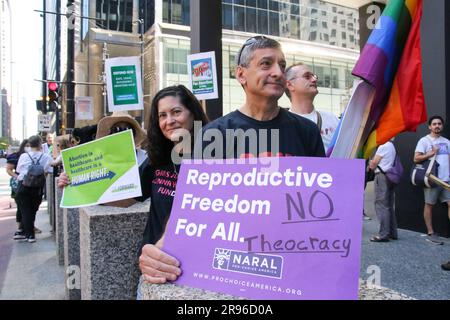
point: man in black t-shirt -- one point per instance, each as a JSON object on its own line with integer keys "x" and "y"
{"x": 260, "y": 71}
{"x": 260, "y": 127}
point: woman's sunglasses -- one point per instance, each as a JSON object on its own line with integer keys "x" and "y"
{"x": 117, "y": 129}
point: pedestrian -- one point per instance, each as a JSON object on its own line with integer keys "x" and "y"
{"x": 260, "y": 67}
{"x": 121, "y": 121}
{"x": 301, "y": 89}
{"x": 29, "y": 198}
{"x": 434, "y": 144}
{"x": 384, "y": 192}
{"x": 83, "y": 135}
{"x": 47, "y": 147}
{"x": 11, "y": 169}
{"x": 62, "y": 143}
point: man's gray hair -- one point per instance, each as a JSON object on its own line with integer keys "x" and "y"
{"x": 245, "y": 54}
{"x": 290, "y": 74}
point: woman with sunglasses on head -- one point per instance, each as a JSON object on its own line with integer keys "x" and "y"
{"x": 173, "y": 112}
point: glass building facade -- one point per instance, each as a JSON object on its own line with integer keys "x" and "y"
{"x": 309, "y": 20}
{"x": 317, "y": 24}
{"x": 115, "y": 14}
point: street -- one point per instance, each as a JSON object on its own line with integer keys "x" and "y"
{"x": 7, "y": 220}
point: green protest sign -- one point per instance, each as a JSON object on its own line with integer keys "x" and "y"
{"x": 124, "y": 83}
{"x": 101, "y": 171}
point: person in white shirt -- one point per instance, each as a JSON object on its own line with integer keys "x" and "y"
{"x": 301, "y": 89}
{"x": 429, "y": 146}
{"x": 382, "y": 161}
{"x": 47, "y": 148}
{"x": 29, "y": 198}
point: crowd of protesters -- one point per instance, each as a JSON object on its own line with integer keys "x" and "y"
{"x": 303, "y": 131}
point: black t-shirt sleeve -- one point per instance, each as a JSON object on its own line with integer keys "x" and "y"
{"x": 316, "y": 145}
{"x": 146, "y": 176}
{"x": 12, "y": 159}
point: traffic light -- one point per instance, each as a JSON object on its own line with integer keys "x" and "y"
{"x": 41, "y": 105}
{"x": 53, "y": 96}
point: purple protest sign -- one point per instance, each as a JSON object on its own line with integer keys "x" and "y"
{"x": 281, "y": 228}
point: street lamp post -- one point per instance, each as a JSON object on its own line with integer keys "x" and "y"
{"x": 141, "y": 37}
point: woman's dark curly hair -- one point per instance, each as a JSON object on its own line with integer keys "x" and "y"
{"x": 22, "y": 147}
{"x": 159, "y": 147}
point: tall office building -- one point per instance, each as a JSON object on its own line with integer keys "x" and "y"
{"x": 5, "y": 68}
{"x": 321, "y": 34}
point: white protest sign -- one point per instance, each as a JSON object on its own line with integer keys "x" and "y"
{"x": 84, "y": 108}
{"x": 203, "y": 75}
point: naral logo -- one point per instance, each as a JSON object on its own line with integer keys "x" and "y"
{"x": 263, "y": 265}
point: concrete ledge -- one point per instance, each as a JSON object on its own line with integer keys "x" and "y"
{"x": 71, "y": 227}
{"x": 50, "y": 197}
{"x": 177, "y": 292}
{"x": 110, "y": 240}
{"x": 170, "y": 291}
{"x": 59, "y": 232}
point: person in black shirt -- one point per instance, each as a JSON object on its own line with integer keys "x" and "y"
{"x": 11, "y": 165}
{"x": 260, "y": 71}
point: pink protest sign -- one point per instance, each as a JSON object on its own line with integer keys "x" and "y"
{"x": 281, "y": 228}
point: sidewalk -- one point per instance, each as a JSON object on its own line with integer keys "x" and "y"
{"x": 33, "y": 272}
{"x": 409, "y": 266}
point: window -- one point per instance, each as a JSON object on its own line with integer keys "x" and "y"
{"x": 274, "y": 5}
{"x": 176, "y": 12}
{"x": 250, "y": 22}
{"x": 263, "y": 21}
{"x": 239, "y": 18}
{"x": 227, "y": 16}
{"x": 295, "y": 9}
{"x": 176, "y": 60}
{"x": 232, "y": 65}
{"x": 274, "y": 28}
{"x": 334, "y": 78}
{"x": 313, "y": 36}
{"x": 166, "y": 11}
{"x": 115, "y": 15}
{"x": 295, "y": 27}
{"x": 262, "y": 4}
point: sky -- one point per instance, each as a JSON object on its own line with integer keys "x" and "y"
{"x": 26, "y": 66}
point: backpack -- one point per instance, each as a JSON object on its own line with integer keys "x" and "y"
{"x": 394, "y": 173}
{"x": 35, "y": 177}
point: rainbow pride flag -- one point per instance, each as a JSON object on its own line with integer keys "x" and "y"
{"x": 391, "y": 62}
